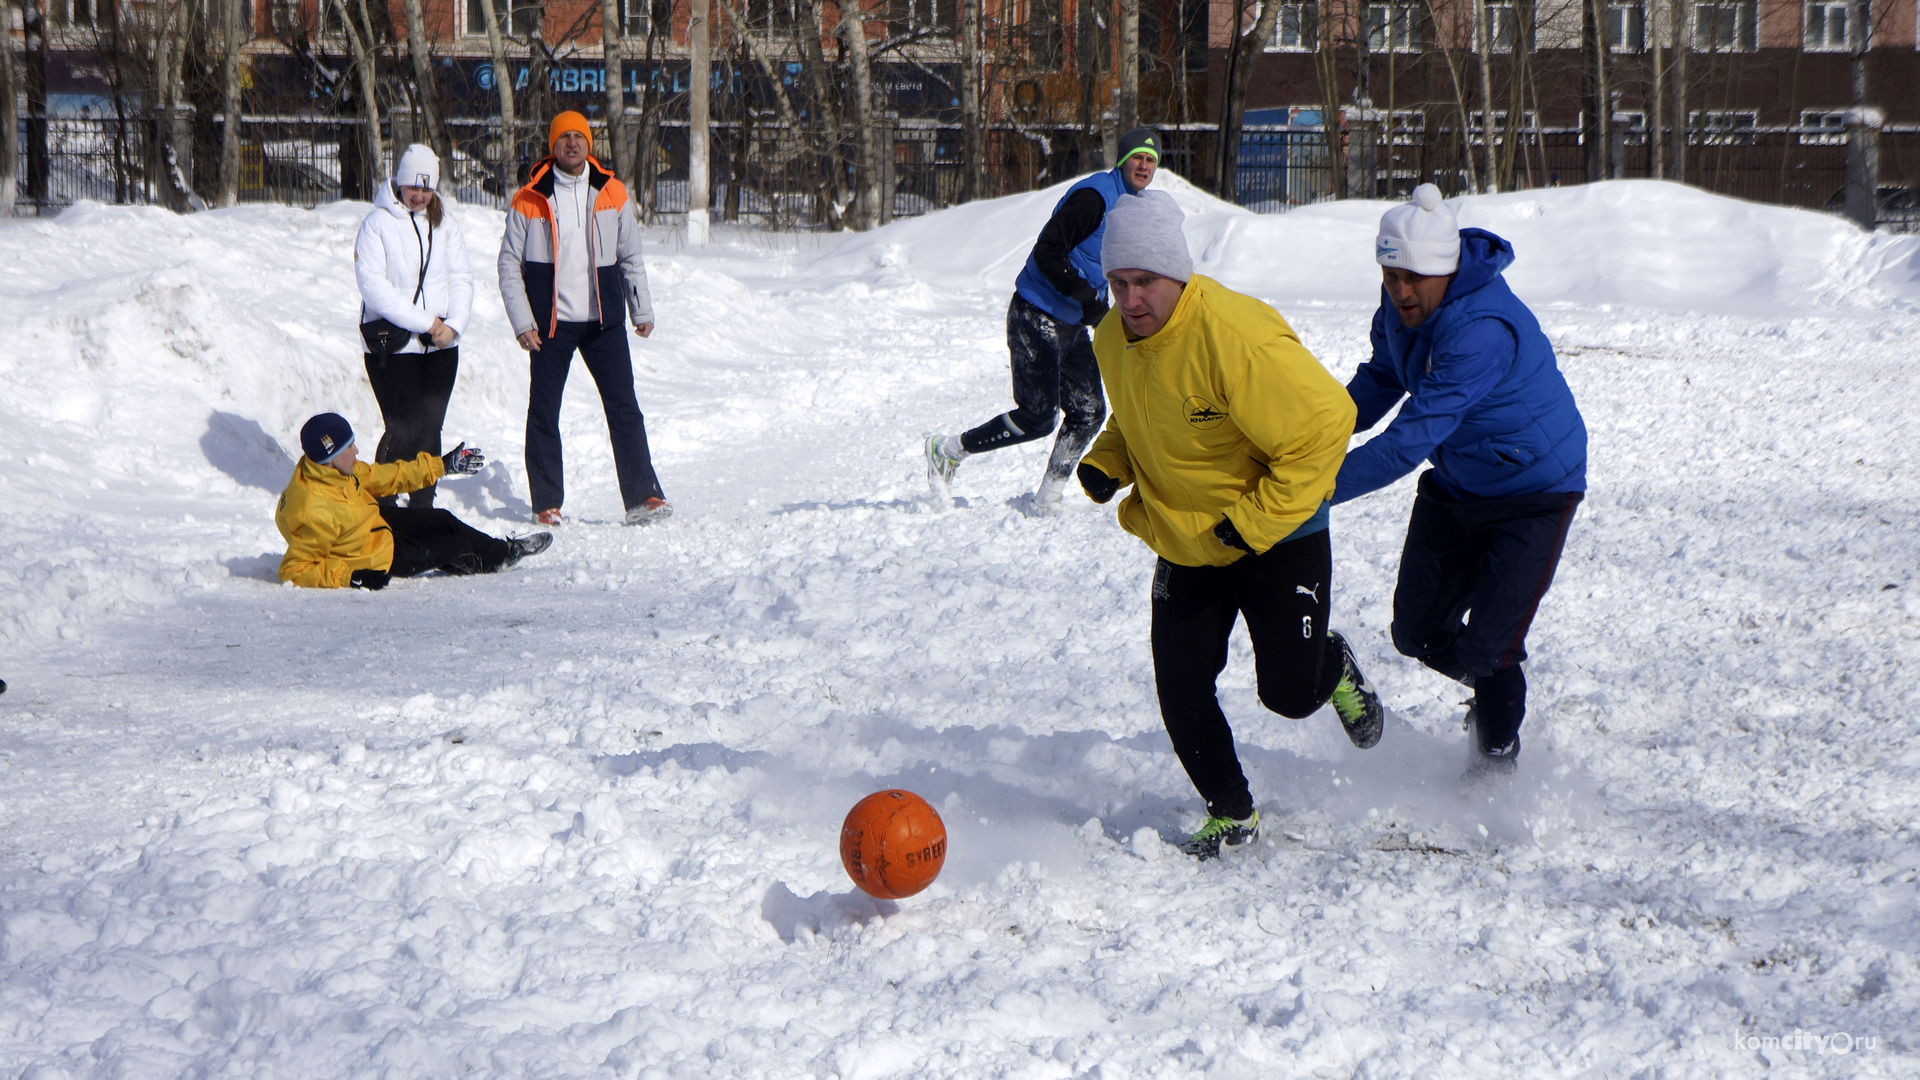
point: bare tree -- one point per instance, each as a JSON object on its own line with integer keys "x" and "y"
{"x": 1443, "y": 32}
{"x": 9, "y": 113}
{"x": 1483, "y": 36}
{"x": 1129, "y": 104}
{"x": 360, "y": 45}
{"x": 1863, "y": 123}
{"x": 507, "y": 169}
{"x": 867, "y": 210}
{"x": 426, "y": 89}
{"x": 699, "y": 79}
{"x": 230, "y": 129}
{"x": 613, "y": 60}
{"x": 1240, "y": 60}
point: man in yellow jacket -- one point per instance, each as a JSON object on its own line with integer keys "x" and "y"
{"x": 1231, "y": 434}
{"x": 338, "y": 535}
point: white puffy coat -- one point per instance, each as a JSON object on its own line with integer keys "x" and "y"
{"x": 386, "y": 263}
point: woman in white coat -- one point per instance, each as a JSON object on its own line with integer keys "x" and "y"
{"x": 411, "y": 263}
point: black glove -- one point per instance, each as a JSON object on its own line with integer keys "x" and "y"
{"x": 1230, "y": 536}
{"x": 370, "y": 579}
{"x": 1098, "y": 485}
{"x": 461, "y": 461}
{"x": 1092, "y": 311}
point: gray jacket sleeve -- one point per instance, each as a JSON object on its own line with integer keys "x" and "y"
{"x": 633, "y": 268}
{"x": 513, "y": 285}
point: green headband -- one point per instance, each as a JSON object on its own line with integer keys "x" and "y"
{"x": 1148, "y": 150}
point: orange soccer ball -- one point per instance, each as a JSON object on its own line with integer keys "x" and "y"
{"x": 893, "y": 844}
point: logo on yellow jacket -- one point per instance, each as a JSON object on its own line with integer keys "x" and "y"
{"x": 1202, "y": 413}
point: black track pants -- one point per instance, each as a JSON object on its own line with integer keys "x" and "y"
{"x": 413, "y": 390}
{"x": 426, "y": 540}
{"x": 1284, "y": 596}
{"x": 604, "y": 351}
{"x": 1053, "y": 372}
{"x": 1472, "y": 574}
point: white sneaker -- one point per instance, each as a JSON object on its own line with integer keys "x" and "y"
{"x": 940, "y": 469}
{"x": 1043, "y": 503}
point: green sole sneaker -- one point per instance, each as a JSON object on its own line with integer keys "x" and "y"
{"x": 1354, "y": 700}
{"x": 1217, "y": 833}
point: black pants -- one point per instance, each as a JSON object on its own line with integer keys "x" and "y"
{"x": 412, "y": 389}
{"x": 1053, "y": 372}
{"x": 604, "y": 349}
{"x": 1471, "y": 577}
{"x": 1284, "y": 595}
{"x": 426, "y": 540}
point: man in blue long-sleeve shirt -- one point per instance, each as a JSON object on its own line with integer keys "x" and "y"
{"x": 1486, "y": 405}
{"x": 1058, "y": 297}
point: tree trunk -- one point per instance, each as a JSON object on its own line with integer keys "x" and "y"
{"x": 699, "y": 81}
{"x": 1656, "y": 107}
{"x": 825, "y": 118}
{"x": 1863, "y": 124}
{"x": 9, "y": 123}
{"x": 426, "y": 88}
{"x": 1599, "y": 102}
{"x": 1129, "y": 110}
{"x": 230, "y": 127}
{"x": 507, "y": 169}
{"x": 1459, "y": 96}
{"x": 1484, "y": 36}
{"x": 614, "y": 60}
{"x": 1360, "y": 159}
{"x": 972, "y": 148}
{"x": 1678, "y": 162}
{"x": 1517, "y": 69}
{"x": 360, "y": 45}
{"x": 868, "y": 210}
{"x": 35, "y": 24}
{"x": 1246, "y": 49}
{"x": 1326, "y": 66}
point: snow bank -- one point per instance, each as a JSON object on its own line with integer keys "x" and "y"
{"x": 1646, "y": 244}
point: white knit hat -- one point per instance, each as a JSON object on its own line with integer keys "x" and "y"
{"x": 1143, "y": 233}
{"x": 418, "y": 168}
{"x": 1420, "y": 235}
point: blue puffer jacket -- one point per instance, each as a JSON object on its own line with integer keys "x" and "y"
{"x": 1488, "y": 405}
{"x": 1085, "y": 256}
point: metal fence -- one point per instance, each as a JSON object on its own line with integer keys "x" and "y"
{"x": 763, "y": 173}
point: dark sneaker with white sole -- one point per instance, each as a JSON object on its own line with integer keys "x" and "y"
{"x": 519, "y": 547}
{"x": 1354, "y": 700}
{"x": 1217, "y": 833}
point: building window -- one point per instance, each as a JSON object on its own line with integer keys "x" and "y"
{"x": 523, "y": 15}
{"x": 81, "y": 12}
{"x": 286, "y": 16}
{"x": 937, "y": 16}
{"x": 638, "y": 16}
{"x": 1297, "y": 29}
{"x": 1725, "y": 126}
{"x": 1822, "y": 127}
{"x": 1477, "y": 122}
{"x": 1503, "y": 27}
{"x": 1395, "y": 26}
{"x": 1626, "y": 28}
{"x": 770, "y": 17}
{"x": 1827, "y": 27}
{"x": 1725, "y": 27}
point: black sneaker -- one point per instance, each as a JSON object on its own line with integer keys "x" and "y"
{"x": 519, "y": 547}
{"x": 1487, "y": 766}
{"x": 1354, "y": 700}
{"x": 1219, "y": 832}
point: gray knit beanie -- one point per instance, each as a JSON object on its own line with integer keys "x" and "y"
{"x": 1143, "y": 233}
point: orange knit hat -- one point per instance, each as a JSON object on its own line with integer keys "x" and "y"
{"x": 569, "y": 121}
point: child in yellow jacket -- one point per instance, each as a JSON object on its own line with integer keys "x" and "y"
{"x": 338, "y": 534}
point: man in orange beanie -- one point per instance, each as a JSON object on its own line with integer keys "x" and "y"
{"x": 570, "y": 266}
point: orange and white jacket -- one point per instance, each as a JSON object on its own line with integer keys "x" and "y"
{"x": 529, "y": 284}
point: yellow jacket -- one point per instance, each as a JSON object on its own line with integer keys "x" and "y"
{"x": 332, "y": 524}
{"x": 1222, "y": 411}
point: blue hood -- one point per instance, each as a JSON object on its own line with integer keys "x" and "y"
{"x": 1483, "y": 257}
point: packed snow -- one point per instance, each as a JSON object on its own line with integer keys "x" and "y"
{"x": 581, "y": 819}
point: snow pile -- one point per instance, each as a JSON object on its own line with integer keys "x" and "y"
{"x": 581, "y": 819}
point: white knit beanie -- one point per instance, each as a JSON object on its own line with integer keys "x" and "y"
{"x": 1420, "y": 235}
{"x": 418, "y": 168}
{"x": 1143, "y": 233}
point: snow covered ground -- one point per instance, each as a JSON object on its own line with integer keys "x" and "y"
{"x": 581, "y": 819}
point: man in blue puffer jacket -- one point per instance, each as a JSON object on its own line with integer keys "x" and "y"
{"x": 1060, "y": 294}
{"x": 1488, "y": 408}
